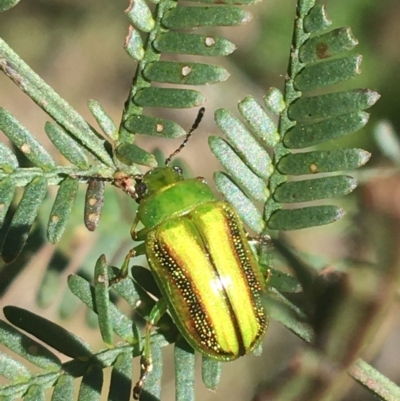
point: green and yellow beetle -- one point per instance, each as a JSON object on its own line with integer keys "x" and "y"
{"x": 199, "y": 255}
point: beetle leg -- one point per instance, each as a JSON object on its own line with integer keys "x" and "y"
{"x": 146, "y": 363}
{"x": 138, "y": 235}
{"x": 124, "y": 271}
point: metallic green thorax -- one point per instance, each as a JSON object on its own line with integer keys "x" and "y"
{"x": 199, "y": 255}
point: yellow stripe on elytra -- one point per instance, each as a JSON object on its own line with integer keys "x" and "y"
{"x": 182, "y": 238}
{"x": 214, "y": 221}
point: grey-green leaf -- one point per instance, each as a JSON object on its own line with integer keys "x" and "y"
{"x": 68, "y": 147}
{"x": 211, "y": 373}
{"x": 184, "y": 73}
{"x": 121, "y": 377}
{"x": 12, "y": 369}
{"x": 7, "y": 190}
{"x": 331, "y": 104}
{"x": 61, "y": 209}
{"x": 35, "y": 393}
{"x": 243, "y": 176}
{"x": 255, "y": 156}
{"x": 64, "y": 389}
{"x": 169, "y": 97}
{"x": 295, "y": 219}
{"x": 134, "y": 44}
{"x": 122, "y": 325}
{"x": 274, "y": 101}
{"x": 25, "y": 141}
{"x": 318, "y": 188}
{"x": 103, "y": 119}
{"x": 50, "y": 333}
{"x": 102, "y": 300}
{"x": 28, "y": 348}
{"x": 147, "y": 125}
{"x": 23, "y": 218}
{"x": 184, "y": 371}
{"x": 92, "y": 382}
{"x": 243, "y": 205}
{"x": 94, "y": 201}
{"x": 327, "y": 45}
{"x": 8, "y": 161}
{"x": 8, "y": 4}
{"x": 259, "y": 121}
{"x": 191, "y": 17}
{"x": 228, "y": 2}
{"x": 328, "y": 73}
{"x": 323, "y": 161}
{"x": 140, "y": 15}
{"x": 186, "y": 43}
{"x": 317, "y": 19}
{"x": 305, "y": 135}
{"x": 152, "y": 386}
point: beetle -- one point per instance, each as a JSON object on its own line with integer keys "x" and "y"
{"x": 199, "y": 255}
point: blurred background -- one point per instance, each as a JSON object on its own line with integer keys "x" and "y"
{"x": 77, "y": 48}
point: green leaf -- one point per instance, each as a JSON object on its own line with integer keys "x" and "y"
{"x": 328, "y": 73}
{"x": 129, "y": 153}
{"x": 316, "y": 20}
{"x": 327, "y": 45}
{"x": 283, "y": 311}
{"x": 185, "y": 73}
{"x": 186, "y": 43}
{"x": 193, "y": 17}
{"x": 306, "y": 135}
{"x": 295, "y": 219}
{"x": 323, "y": 161}
{"x": 146, "y": 125}
{"x": 284, "y": 282}
{"x": 23, "y": 219}
{"x": 168, "y": 97}
{"x": 331, "y": 104}
{"x": 318, "y": 188}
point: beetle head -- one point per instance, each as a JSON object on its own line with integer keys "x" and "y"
{"x": 156, "y": 180}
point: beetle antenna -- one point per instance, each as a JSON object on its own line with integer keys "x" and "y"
{"x": 196, "y": 123}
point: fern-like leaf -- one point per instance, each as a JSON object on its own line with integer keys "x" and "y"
{"x": 304, "y": 121}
